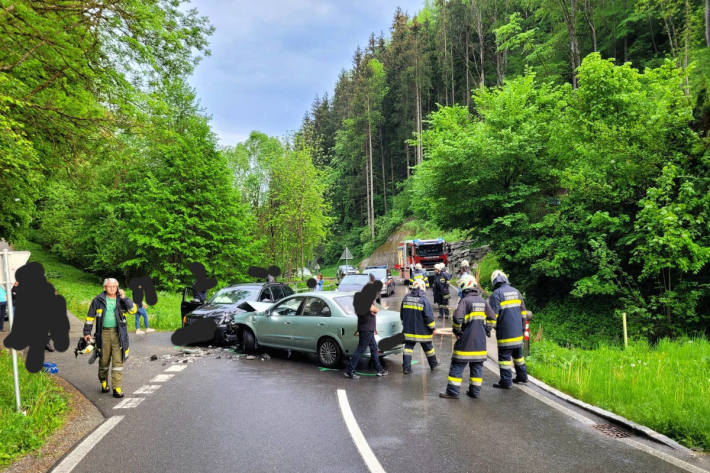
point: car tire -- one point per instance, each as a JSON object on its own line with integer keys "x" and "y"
{"x": 249, "y": 342}
{"x": 329, "y": 353}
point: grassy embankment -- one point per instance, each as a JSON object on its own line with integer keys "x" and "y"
{"x": 79, "y": 288}
{"x": 44, "y": 403}
{"x": 665, "y": 387}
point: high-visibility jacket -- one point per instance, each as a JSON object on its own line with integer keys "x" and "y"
{"x": 97, "y": 310}
{"x": 417, "y": 317}
{"x": 420, "y": 274}
{"x": 510, "y": 313}
{"x": 469, "y": 325}
{"x": 441, "y": 287}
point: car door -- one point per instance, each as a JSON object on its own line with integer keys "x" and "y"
{"x": 188, "y": 304}
{"x": 312, "y": 322}
{"x": 276, "y": 327}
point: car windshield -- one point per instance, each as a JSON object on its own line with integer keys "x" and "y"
{"x": 430, "y": 250}
{"x": 232, "y": 295}
{"x": 379, "y": 273}
{"x": 346, "y": 304}
{"x": 356, "y": 279}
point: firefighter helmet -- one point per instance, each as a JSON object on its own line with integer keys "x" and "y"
{"x": 464, "y": 263}
{"x": 418, "y": 266}
{"x": 84, "y": 347}
{"x": 497, "y": 273}
{"x": 419, "y": 284}
{"x": 467, "y": 282}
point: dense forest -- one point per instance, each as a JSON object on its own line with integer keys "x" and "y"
{"x": 570, "y": 135}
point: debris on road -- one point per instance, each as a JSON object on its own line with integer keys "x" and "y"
{"x": 153, "y": 357}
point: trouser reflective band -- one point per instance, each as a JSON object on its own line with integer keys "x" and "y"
{"x": 505, "y": 365}
{"x": 476, "y": 381}
{"x": 430, "y": 352}
{"x": 519, "y": 361}
{"x": 455, "y": 381}
{"x": 408, "y": 351}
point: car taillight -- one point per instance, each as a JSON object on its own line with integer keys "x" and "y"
{"x": 184, "y": 320}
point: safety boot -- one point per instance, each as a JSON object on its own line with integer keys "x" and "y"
{"x": 117, "y": 392}
{"x": 104, "y": 387}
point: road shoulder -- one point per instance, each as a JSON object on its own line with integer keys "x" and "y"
{"x": 82, "y": 419}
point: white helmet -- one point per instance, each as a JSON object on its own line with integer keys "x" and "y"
{"x": 464, "y": 263}
{"x": 419, "y": 284}
{"x": 418, "y": 266}
{"x": 497, "y": 273}
{"x": 467, "y": 282}
{"x": 440, "y": 266}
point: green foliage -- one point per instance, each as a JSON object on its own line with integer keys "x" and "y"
{"x": 664, "y": 387}
{"x": 45, "y": 405}
{"x": 601, "y": 193}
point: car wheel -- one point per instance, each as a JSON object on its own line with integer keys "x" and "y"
{"x": 249, "y": 342}
{"x": 329, "y": 353}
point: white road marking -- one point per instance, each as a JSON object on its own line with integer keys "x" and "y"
{"x": 161, "y": 378}
{"x": 663, "y": 456}
{"x": 147, "y": 389}
{"x": 175, "y": 368}
{"x": 358, "y": 438}
{"x": 129, "y": 403}
{"x": 587, "y": 421}
{"x": 81, "y": 450}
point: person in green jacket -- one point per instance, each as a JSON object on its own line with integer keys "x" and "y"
{"x": 108, "y": 313}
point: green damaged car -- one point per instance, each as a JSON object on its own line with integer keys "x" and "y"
{"x": 323, "y": 323}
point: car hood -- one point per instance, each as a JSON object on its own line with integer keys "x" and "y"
{"x": 215, "y": 310}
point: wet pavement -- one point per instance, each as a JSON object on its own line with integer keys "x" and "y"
{"x": 224, "y": 412}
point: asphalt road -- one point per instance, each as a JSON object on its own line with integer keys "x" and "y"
{"x": 283, "y": 414}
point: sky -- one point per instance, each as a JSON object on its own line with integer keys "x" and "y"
{"x": 271, "y": 58}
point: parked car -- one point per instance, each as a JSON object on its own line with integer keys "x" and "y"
{"x": 344, "y": 270}
{"x": 353, "y": 282}
{"x": 384, "y": 275}
{"x": 323, "y": 323}
{"x": 226, "y": 302}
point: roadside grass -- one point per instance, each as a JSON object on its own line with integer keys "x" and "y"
{"x": 665, "y": 387}
{"x": 45, "y": 403}
{"x": 79, "y": 288}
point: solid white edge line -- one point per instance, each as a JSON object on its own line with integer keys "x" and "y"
{"x": 358, "y": 438}
{"x": 663, "y": 456}
{"x": 81, "y": 450}
{"x": 587, "y": 421}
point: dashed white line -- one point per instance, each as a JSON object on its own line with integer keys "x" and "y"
{"x": 175, "y": 368}
{"x": 147, "y": 389}
{"x": 358, "y": 438}
{"x": 129, "y": 403}
{"x": 78, "y": 454}
{"x": 161, "y": 378}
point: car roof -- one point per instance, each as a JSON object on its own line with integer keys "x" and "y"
{"x": 247, "y": 285}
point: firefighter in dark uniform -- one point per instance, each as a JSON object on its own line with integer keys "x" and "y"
{"x": 441, "y": 290}
{"x": 469, "y": 327}
{"x": 418, "y": 323}
{"x": 508, "y": 320}
{"x": 419, "y": 273}
{"x": 108, "y": 314}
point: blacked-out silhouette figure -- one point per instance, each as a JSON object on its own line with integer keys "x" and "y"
{"x": 41, "y": 315}
{"x": 202, "y": 282}
{"x": 143, "y": 287}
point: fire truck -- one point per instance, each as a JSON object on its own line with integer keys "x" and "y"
{"x": 426, "y": 252}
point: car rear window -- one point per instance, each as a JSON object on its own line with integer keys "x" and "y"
{"x": 287, "y": 290}
{"x": 346, "y": 304}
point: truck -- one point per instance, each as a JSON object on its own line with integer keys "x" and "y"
{"x": 426, "y": 252}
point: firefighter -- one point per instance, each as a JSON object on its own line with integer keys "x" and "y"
{"x": 418, "y": 323}
{"x": 419, "y": 273}
{"x": 464, "y": 270}
{"x": 441, "y": 289}
{"x": 469, "y": 327}
{"x": 508, "y": 319}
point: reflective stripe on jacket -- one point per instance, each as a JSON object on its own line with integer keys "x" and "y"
{"x": 468, "y": 324}
{"x": 508, "y": 305}
{"x": 417, "y": 317}
{"x": 95, "y": 318}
